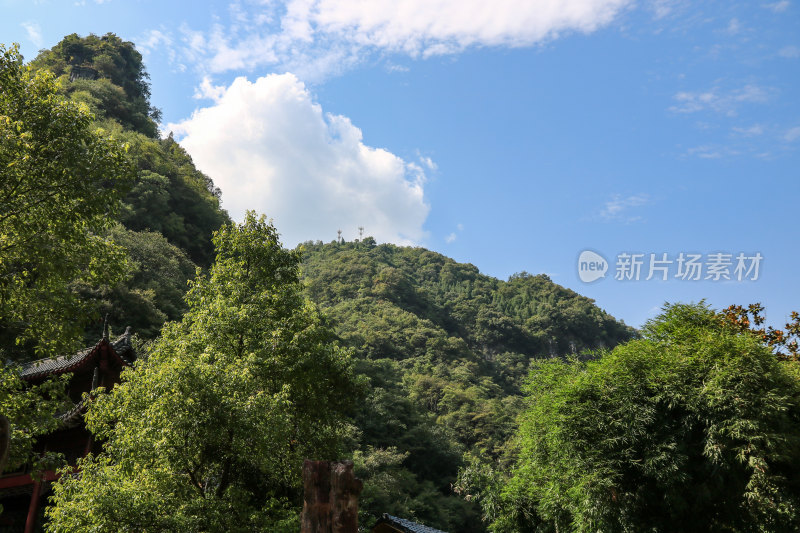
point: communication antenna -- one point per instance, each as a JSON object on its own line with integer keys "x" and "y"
{"x": 339, "y": 235}
{"x": 360, "y": 232}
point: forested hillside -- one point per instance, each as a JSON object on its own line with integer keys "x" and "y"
{"x": 171, "y": 210}
{"x": 443, "y": 347}
{"x": 466, "y": 402}
{"x": 446, "y": 350}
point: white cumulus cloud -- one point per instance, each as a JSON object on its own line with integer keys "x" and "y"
{"x": 430, "y": 27}
{"x": 325, "y": 36}
{"x": 270, "y": 147}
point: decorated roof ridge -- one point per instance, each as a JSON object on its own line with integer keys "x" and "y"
{"x": 72, "y": 416}
{"x": 407, "y": 526}
{"x": 121, "y": 347}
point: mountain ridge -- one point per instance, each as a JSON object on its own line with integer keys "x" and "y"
{"x": 446, "y": 350}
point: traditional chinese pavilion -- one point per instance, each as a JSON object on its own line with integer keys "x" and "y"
{"x": 21, "y": 496}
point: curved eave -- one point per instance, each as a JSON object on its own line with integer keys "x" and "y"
{"x": 119, "y": 352}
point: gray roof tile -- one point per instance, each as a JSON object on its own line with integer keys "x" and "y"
{"x": 407, "y": 525}
{"x": 63, "y": 363}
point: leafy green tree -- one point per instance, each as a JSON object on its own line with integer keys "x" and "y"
{"x": 696, "y": 427}
{"x": 60, "y": 186}
{"x": 407, "y": 460}
{"x": 28, "y": 412}
{"x": 154, "y": 288}
{"x": 446, "y": 350}
{"x": 210, "y": 431}
{"x": 172, "y": 197}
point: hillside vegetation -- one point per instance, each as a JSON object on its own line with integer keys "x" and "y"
{"x": 434, "y": 353}
{"x": 170, "y": 212}
{"x": 444, "y": 347}
{"x": 466, "y": 402}
{"x": 446, "y": 350}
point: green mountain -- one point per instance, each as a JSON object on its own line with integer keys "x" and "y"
{"x": 107, "y": 74}
{"x": 446, "y": 349}
{"x": 168, "y": 217}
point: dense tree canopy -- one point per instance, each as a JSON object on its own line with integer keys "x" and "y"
{"x": 692, "y": 427}
{"x": 445, "y": 349}
{"x": 61, "y": 181}
{"x": 210, "y": 431}
{"x": 168, "y": 195}
{"x": 60, "y": 189}
{"x": 153, "y": 290}
{"x": 108, "y": 75}
{"x": 172, "y": 197}
{"x": 696, "y": 427}
{"x": 29, "y": 413}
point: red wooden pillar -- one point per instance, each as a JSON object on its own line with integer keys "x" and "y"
{"x": 5, "y": 441}
{"x": 33, "y": 508}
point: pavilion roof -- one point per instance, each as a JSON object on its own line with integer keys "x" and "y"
{"x": 119, "y": 349}
{"x": 406, "y": 526}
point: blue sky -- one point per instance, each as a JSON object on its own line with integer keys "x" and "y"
{"x": 512, "y": 135}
